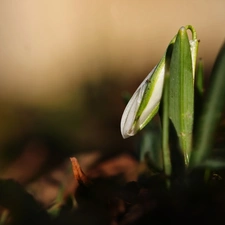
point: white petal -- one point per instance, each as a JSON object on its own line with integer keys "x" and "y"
{"x": 129, "y": 114}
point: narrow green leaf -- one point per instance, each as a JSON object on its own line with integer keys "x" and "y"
{"x": 199, "y": 93}
{"x": 199, "y": 78}
{"x": 181, "y": 91}
{"x": 212, "y": 111}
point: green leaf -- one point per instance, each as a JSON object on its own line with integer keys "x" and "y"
{"x": 181, "y": 91}
{"x": 212, "y": 111}
{"x": 199, "y": 78}
{"x": 199, "y": 92}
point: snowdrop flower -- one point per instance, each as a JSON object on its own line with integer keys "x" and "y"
{"x": 144, "y": 103}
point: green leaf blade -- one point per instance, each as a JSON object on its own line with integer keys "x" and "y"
{"x": 199, "y": 83}
{"x": 212, "y": 112}
{"x": 181, "y": 91}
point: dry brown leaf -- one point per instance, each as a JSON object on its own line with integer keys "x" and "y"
{"x": 78, "y": 173}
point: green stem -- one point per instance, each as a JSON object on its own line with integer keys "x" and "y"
{"x": 165, "y": 128}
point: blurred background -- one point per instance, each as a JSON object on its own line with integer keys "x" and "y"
{"x": 64, "y": 67}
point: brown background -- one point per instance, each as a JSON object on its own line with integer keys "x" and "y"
{"x": 47, "y": 45}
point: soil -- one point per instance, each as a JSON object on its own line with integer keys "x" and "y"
{"x": 111, "y": 200}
